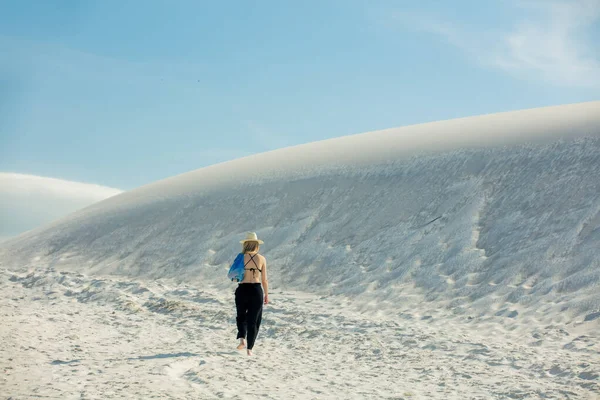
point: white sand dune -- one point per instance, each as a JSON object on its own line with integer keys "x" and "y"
{"x": 29, "y": 201}
{"x": 459, "y": 259}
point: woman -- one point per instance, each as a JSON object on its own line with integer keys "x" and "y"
{"x": 249, "y": 293}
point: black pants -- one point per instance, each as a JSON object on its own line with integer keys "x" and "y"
{"x": 249, "y": 304}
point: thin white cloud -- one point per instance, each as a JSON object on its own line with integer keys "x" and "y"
{"x": 28, "y": 201}
{"x": 554, "y": 43}
{"x": 549, "y": 40}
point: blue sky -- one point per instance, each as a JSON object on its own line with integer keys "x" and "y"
{"x": 123, "y": 93}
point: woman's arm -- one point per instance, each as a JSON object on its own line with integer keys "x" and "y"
{"x": 265, "y": 281}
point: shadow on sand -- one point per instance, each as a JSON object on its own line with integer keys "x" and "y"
{"x": 152, "y": 357}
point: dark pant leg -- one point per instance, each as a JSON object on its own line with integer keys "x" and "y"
{"x": 241, "y": 305}
{"x": 259, "y": 320}
{"x": 254, "y": 316}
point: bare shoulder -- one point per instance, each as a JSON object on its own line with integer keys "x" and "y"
{"x": 263, "y": 260}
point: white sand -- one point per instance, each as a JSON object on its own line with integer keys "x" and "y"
{"x": 497, "y": 298}
{"x": 29, "y": 201}
{"x": 73, "y": 337}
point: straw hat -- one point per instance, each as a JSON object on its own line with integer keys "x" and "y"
{"x": 251, "y": 237}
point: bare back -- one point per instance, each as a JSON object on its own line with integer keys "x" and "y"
{"x": 255, "y": 268}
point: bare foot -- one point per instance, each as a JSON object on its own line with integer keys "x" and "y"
{"x": 242, "y": 344}
{"x": 249, "y": 352}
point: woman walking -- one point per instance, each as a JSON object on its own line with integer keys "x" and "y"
{"x": 249, "y": 293}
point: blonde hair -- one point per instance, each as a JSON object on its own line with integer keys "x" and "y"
{"x": 250, "y": 246}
